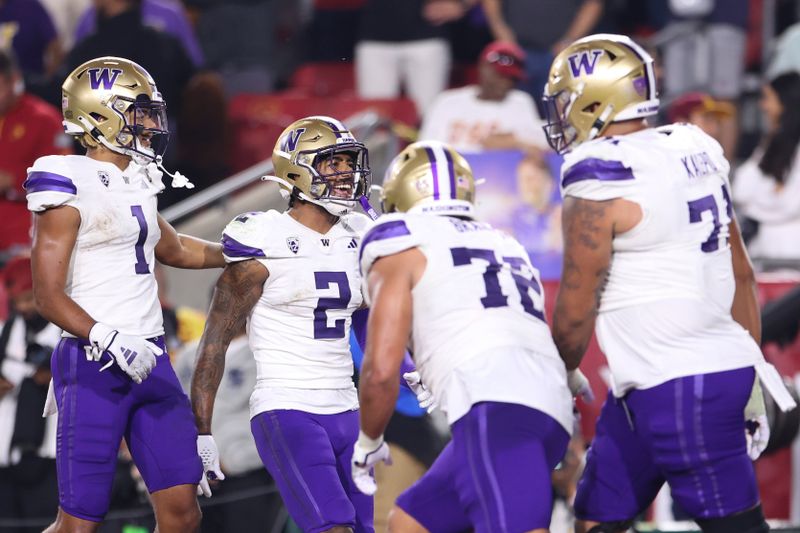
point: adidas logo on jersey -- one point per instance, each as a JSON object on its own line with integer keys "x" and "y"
{"x": 293, "y": 243}
{"x": 353, "y": 243}
{"x": 103, "y": 175}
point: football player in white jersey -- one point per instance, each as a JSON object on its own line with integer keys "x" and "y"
{"x": 654, "y": 257}
{"x": 97, "y": 234}
{"x": 294, "y": 277}
{"x": 470, "y": 305}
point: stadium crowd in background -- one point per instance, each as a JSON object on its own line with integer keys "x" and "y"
{"x": 471, "y": 71}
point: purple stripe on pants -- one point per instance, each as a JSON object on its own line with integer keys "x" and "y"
{"x": 688, "y": 432}
{"x": 96, "y": 409}
{"x": 494, "y": 477}
{"x": 308, "y": 455}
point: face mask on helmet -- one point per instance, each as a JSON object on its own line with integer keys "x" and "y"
{"x": 146, "y": 131}
{"x": 559, "y": 132}
{"x": 340, "y": 174}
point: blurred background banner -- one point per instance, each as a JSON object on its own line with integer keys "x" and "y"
{"x": 519, "y": 194}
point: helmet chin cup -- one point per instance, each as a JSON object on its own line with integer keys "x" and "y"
{"x": 336, "y": 209}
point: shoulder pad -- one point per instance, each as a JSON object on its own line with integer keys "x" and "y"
{"x": 355, "y": 223}
{"x": 50, "y": 183}
{"x": 243, "y": 237}
{"x": 597, "y": 171}
{"x": 389, "y": 235}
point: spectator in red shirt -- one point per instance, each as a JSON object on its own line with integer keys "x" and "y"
{"x": 29, "y": 128}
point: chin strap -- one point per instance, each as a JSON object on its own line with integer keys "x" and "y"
{"x": 154, "y": 168}
{"x": 286, "y": 187}
{"x": 178, "y": 179}
{"x": 368, "y": 209}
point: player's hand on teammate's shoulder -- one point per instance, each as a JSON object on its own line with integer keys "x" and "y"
{"x": 134, "y": 355}
{"x": 368, "y": 452}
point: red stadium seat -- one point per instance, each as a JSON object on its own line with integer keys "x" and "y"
{"x": 257, "y": 119}
{"x": 324, "y": 79}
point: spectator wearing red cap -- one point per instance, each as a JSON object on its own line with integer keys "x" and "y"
{"x": 542, "y": 28}
{"x": 701, "y": 110}
{"x": 491, "y": 115}
{"x": 28, "y": 488}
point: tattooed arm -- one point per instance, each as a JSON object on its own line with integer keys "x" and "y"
{"x": 589, "y": 228}
{"x": 237, "y": 291}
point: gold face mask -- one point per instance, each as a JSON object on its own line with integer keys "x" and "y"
{"x": 595, "y": 81}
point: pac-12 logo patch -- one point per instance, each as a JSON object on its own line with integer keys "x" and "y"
{"x": 293, "y": 243}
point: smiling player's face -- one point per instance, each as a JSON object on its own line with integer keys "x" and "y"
{"x": 338, "y": 170}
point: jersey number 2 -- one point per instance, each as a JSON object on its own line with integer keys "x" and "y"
{"x": 324, "y": 280}
{"x": 494, "y": 295}
{"x": 141, "y": 266}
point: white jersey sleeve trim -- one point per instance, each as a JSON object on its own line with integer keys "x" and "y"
{"x": 386, "y": 237}
{"x": 242, "y": 238}
{"x": 48, "y": 184}
{"x": 597, "y": 179}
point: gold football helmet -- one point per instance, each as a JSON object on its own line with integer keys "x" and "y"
{"x": 595, "y": 81}
{"x": 429, "y": 177}
{"x": 114, "y": 102}
{"x": 308, "y": 163}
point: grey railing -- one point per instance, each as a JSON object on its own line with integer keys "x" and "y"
{"x": 364, "y": 125}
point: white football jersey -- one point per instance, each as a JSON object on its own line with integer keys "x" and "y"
{"x": 479, "y": 332}
{"x": 111, "y": 272}
{"x": 299, "y": 330}
{"x": 666, "y": 309}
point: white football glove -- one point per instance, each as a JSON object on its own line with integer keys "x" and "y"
{"x": 134, "y": 355}
{"x": 367, "y": 453}
{"x": 756, "y": 422}
{"x": 579, "y": 385}
{"x": 208, "y": 452}
{"x": 424, "y": 395}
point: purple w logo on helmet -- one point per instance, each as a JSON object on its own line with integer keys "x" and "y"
{"x": 105, "y": 75}
{"x": 291, "y": 139}
{"x": 582, "y": 62}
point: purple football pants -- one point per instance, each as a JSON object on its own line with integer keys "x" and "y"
{"x": 494, "y": 476}
{"x": 97, "y": 409}
{"x": 689, "y": 432}
{"x": 309, "y": 455}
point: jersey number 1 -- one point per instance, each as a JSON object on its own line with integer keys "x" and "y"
{"x": 141, "y": 266}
